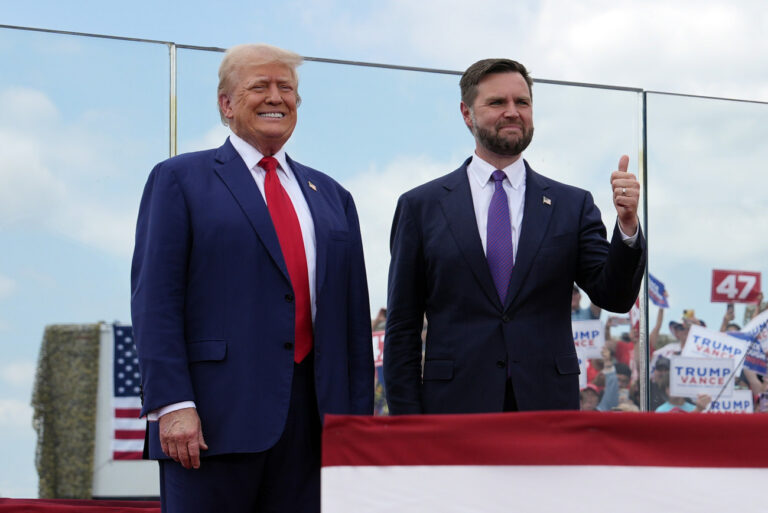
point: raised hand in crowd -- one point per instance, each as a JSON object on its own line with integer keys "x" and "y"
{"x": 702, "y": 401}
{"x": 653, "y": 337}
{"x": 728, "y": 324}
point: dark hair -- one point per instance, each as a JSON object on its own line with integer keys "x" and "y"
{"x": 623, "y": 369}
{"x": 479, "y": 70}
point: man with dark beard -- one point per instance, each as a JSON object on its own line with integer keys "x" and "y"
{"x": 490, "y": 253}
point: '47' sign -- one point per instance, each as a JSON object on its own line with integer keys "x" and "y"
{"x": 735, "y": 286}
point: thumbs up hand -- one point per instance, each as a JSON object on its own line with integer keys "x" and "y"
{"x": 626, "y": 195}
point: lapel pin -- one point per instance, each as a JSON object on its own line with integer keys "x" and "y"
{"x": 546, "y": 200}
{"x": 311, "y": 185}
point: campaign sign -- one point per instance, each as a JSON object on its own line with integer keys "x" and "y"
{"x": 656, "y": 292}
{"x": 757, "y": 328}
{"x": 735, "y": 286}
{"x": 739, "y": 402}
{"x": 378, "y": 348}
{"x": 704, "y": 343}
{"x": 589, "y": 338}
{"x": 755, "y": 360}
{"x": 689, "y": 377}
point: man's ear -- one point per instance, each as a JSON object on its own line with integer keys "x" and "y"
{"x": 466, "y": 113}
{"x": 225, "y": 106}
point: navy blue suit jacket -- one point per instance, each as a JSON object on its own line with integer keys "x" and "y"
{"x": 474, "y": 339}
{"x": 212, "y": 311}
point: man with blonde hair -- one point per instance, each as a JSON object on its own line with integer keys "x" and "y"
{"x": 249, "y": 305}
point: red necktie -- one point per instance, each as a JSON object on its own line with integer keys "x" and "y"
{"x": 292, "y": 245}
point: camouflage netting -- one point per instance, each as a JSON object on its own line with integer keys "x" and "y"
{"x": 64, "y": 403}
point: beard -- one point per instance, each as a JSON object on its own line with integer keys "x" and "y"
{"x": 493, "y": 142}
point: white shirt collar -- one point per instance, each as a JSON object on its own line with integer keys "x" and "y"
{"x": 251, "y": 156}
{"x": 481, "y": 171}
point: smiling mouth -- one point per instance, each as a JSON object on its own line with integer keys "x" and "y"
{"x": 273, "y": 115}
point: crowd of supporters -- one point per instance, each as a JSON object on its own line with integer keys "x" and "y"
{"x": 612, "y": 382}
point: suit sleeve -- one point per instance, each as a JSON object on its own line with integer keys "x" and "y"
{"x": 611, "y": 276}
{"x": 361, "y": 370}
{"x": 158, "y": 287}
{"x": 406, "y": 301}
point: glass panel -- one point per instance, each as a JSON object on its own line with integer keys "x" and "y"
{"x": 381, "y": 132}
{"x": 706, "y": 211}
{"x": 82, "y": 121}
{"x": 581, "y": 133}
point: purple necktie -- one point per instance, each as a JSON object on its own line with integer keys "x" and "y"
{"x": 499, "y": 237}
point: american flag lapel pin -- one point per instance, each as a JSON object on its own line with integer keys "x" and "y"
{"x": 311, "y": 185}
{"x": 546, "y": 200}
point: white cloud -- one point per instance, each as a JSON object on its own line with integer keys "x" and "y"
{"x": 376, "y": 192}
{"x": 213, "y": 138}
{"x": 50, "y": 172}
{"x": 18, "y": 374}
{"x": 696, "y": 47}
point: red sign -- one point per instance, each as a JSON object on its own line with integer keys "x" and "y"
{"x": 735, "y": 286}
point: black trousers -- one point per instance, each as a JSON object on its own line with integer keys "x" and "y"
{"x": 510, "y": 403}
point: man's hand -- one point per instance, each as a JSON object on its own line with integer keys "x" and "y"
{"x": 181, "y": 437}
{"x": 626, "y": 194}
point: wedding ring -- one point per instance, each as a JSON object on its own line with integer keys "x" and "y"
{"x": 623, "y": 191}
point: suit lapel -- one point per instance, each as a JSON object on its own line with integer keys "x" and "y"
{"x": 236, "y": 176}
{"x": 459, "y": 213}
{"x": 537, "y": 213}
{"x": 316, "y": 204}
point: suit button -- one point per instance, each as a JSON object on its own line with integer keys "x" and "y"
{"x": 288, "y": 345}
{"x": 505, "y": 318}
{"x": 501, "y": 364}
{"x": 289, "y": 298}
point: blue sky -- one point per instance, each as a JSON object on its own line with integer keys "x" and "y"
{"x": 83, "y": 120}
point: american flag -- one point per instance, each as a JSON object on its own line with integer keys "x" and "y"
{"x": 128, "y": 438}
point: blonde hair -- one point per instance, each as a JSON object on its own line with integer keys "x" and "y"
{"x": 254, "y": 54}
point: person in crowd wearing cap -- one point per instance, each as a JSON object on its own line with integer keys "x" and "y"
{"x": 659, "y": 378}
{"x": 592, "y": 399}
{"x": 680, "y": 331}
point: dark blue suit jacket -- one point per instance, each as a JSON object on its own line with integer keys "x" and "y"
{"x": 438, "y": 266}
{"x": 212, "y": 311}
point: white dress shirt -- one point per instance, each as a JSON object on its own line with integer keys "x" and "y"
{"x": 482, "y": 187}
{"x": 251, "y": 156}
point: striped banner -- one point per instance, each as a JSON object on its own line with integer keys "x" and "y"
{"x": 544, "y": 462}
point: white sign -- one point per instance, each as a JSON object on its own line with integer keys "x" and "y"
{"x": 704, "y": 343}
{"x": 739, "y": 402}
{"x": 689, "y": 377}
{"x": 378, "y": 348}
{"x": 589, "y": 338}
{"x": 583, "y": 362}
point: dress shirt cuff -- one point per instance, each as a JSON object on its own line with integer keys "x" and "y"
{"x": 630, "y": 240}
{"x": 155, "y": 415}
